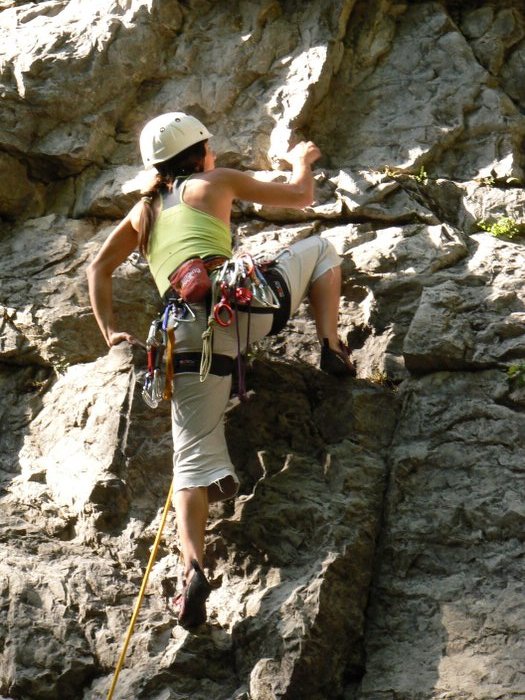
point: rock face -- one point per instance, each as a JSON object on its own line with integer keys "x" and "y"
{"x": 375, "y": 550}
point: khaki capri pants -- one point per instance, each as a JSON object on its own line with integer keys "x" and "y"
{"x": 200, "y": 455}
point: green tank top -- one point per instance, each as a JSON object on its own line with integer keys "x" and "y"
{"x": 182, "y": 232}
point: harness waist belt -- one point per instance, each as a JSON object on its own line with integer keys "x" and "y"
{"x": 221, "y": 365}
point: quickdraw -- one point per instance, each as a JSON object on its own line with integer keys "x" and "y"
{"x": 155, "y": 346}
{"x": 157, "y": 385}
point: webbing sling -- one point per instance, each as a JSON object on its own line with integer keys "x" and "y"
{"x": 170, "y": 348}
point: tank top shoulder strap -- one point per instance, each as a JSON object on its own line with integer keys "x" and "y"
{"x": 181, "y": 187}
{"x": 171, "y": 199}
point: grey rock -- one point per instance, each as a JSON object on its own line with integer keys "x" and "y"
{"x": 458, "y": 123}
{"x": 44, "y": 292}
{"x": 450, "y": 557}
{"x": 476, "y": 321}
{"x": 374, "y": 551}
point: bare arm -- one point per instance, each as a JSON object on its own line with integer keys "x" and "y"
{"x": 298, "y": 192}
{"x": 214, "y": 191}
{"x": 119, "y": 244}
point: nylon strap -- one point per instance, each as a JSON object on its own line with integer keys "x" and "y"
{"x": 170, "y": 349}
{"x": 220, "y": 365}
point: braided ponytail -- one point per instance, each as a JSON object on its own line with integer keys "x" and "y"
{"x": 147, "y": 213}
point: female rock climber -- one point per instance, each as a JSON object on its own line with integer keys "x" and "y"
{"x": 184, "y": 214}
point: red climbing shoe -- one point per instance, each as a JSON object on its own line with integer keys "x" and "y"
{"x": 191, "y": 602}
{"x": 337, "y": 362}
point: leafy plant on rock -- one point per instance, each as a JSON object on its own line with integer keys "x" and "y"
{"x": 516, "y": 373}
{"x": 422, "y": 175}
{"x": 504, "y": 227}
{"x": 396, "y": 174}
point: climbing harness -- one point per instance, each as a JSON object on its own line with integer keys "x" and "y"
{"x": 236, "y": 283}
{"x": 141, "y": 593}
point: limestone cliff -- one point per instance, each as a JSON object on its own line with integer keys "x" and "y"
{"x": 375, "y": 551}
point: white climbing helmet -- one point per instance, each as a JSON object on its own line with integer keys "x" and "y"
{"x": 168, "y": 134}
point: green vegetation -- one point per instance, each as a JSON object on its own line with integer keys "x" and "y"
{"x": 390, "y": 172}
{"x": 61, "y": 366}
{"x": 488, "y": 181}
{"x": 516, "y": 373}
{"x": 504, "y": 227}
{"x": 394, "y": 173}
{"x": 422, "y": 175}
{"x": 381, "y": 378}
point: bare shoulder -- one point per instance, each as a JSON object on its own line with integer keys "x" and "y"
{"x": 246, "y": 186}
{"x": 217, "y": 176}
{"x": 229, "y": 174}
{"x": 137, "y": 211}
{"x": 229, "y": 180}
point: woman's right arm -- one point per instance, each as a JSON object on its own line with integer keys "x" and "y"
{"x": 214, "y": 190}
{"x": 298, "y": 192}
{"x": 120, "y": 243}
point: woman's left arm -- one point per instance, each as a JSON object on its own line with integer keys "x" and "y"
{"x": 119, "y": 244}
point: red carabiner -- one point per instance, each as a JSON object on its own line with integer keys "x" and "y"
{"x": 243, "y": 295}
{"x": 221, "y": 308}
{"x": 151, "y": 354}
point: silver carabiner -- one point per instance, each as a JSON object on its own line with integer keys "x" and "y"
{"x": 263, "y": 291}
{"x": 147, "y": 392}
{"x": 156, "y": 386}
{"x": 152, "y": 392}
{"x": 152, "y": 339}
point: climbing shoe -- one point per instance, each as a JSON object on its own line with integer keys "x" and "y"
{"x": 337, "y": 362}
{"x": 191, "y": 602}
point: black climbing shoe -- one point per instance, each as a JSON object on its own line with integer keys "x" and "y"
{"x": 337, "y": 362}
{"x": 191, "y": 602}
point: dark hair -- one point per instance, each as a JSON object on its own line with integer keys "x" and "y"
{"x": 187, "y": 162}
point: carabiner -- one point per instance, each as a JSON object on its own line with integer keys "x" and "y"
{"x": 148, "y": 399}
{"x": 180, "y": 312}
{"x": 247, "y": 260}
{"x": 221, "y": 308}
{"x": 149, "y": 391}
{"x": 152, "y": 339}
{"x": 243, "y": 295}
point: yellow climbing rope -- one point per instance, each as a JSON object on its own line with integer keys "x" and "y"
{"x": 141, "y": 593}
